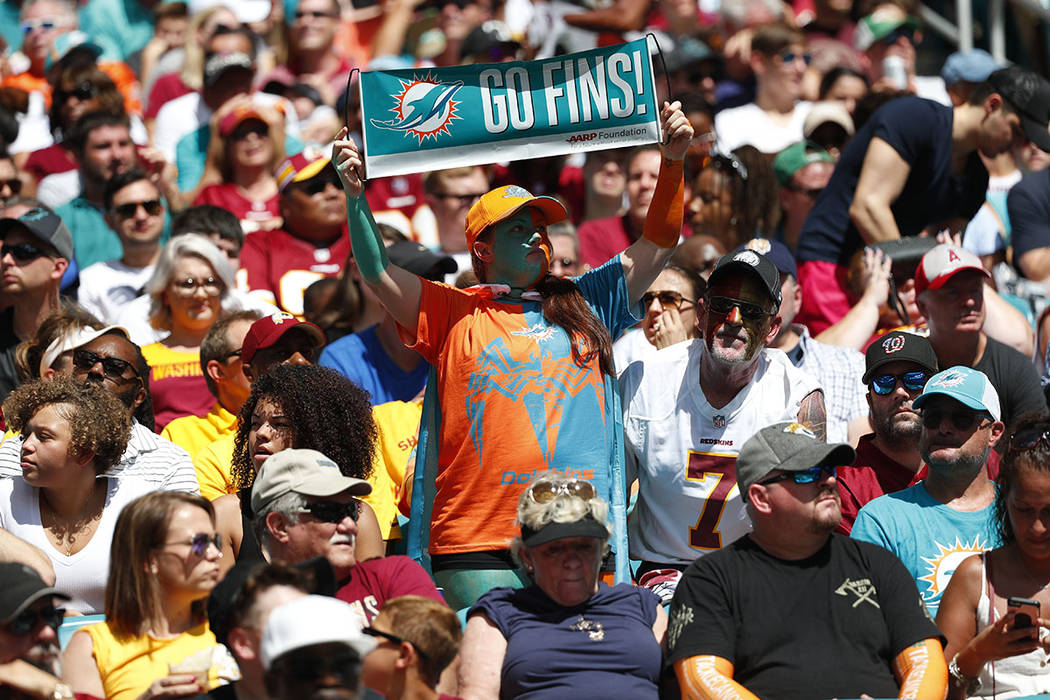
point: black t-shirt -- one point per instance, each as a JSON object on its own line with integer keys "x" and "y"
{"x": 1015, "y": 380}
{"x": 8, "y": 342}
{"x": 1028, "y": 204}
{"x": 921, "y": 133}
{"x": 823, "y": 627}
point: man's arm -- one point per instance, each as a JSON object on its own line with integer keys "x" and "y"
{"x": 813, "y": 414}
{"x": 15, "y": 549}
{"x": 709, "y": 678}
{"x": 922, "y": 671}
{"x": 882, "y": 179}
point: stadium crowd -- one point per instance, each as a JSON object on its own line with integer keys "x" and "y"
{"x": 757, "y": 411}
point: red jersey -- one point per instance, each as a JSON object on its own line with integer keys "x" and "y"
{"x": 165, "y": 89}
{"x": 280, "y": 266}
{"x": 255, "y": 215}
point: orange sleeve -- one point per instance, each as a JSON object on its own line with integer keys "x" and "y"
{"x": 709, "y": 678}
{"x": 922, "y": 671}
{"x": 663, "y": 222}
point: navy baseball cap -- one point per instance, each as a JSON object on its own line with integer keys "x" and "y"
{"x": 755, "y": 263}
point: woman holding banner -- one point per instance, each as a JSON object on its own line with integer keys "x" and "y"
{"x": 523, "y": 378}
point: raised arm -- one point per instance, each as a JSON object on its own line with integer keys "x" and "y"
{"x": 644, "y": 259}
{"x": 397, "y": 288}
{"x": 709, "y": 677}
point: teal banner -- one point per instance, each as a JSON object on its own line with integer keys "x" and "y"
{"x": 434, "y": 118}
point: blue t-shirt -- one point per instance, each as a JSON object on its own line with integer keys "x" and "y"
{"x": 921, "y": 133}
{"x": 1029, "y": 205}
{"x": 361, "y": 358}
{"x": 928, "y": 536}
{"x": 604, "y": 648}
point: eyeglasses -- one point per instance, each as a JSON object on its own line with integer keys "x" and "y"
{"x": 546, "y": 491}
{"x": 1031, "y": 438}
{"x": 811, "y": 192}
{"x": 884, "y": 384}
{"x": 804, "y": 476}
{"x": 723, "y": 306}
{"x": 28, "y": 620}
{"x": 333, "y": 511}
{"x": 373, "y": 632}
{"x": 316, "y": 14}
{"x": 22, "y": 252}
{"x": 112, "y": 367}
{"x": 791, "y": 57}
{"x": 961, "y": 419}
{"x": 46, "y": 24}
{"x": 318, "y": 185}
{"x": 189, "y": 286}
{"x": 462, "y": 199}
{"x": 199, "y": 543}
{"x": 14, "y": 184}
{"x": 667, "y": 299}
{"x": 153, "y": 208}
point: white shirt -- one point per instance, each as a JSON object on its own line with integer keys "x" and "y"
{"x": 748, "y": 125}
{"x": 106, "y": 287}
{"x": 684, "y": 449}
{"x": 134, "y": 315}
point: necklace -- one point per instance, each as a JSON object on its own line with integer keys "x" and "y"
{"x": 67, "y": 532}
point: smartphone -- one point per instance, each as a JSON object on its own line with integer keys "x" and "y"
{"x": 1026, "y": 613}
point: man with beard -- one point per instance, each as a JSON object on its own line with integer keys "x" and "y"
{"x": 689, "y": 408}
{"x": 108, "y": 358}
{"x": 888, "y": 460}
{"x": 935, "y": 524}
{"x": 863, "y": 630}
{"x": 29, "y": 624}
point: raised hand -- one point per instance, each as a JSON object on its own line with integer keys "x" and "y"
{"x": 678, "y": 132}
{"x": 347, "y": 161}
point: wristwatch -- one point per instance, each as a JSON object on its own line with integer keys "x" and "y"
{"x": 968, "y": 684}
{"x": 62, "y": 692}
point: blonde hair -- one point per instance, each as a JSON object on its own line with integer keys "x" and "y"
{"x": 184, "y": 245}
{"x": 563, "y": 508}
{"x": 192, "y": 73}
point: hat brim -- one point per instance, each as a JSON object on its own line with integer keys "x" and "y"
{"x": 834, "y": 454}
{"x": 312, "y": 331}
{"x": 331, "y": 484}
{"x": 883, "y": 361}
{"x": 967, "y": 401}
{"x": 942, "y": 280}
{"x": 553, "y": 211}
{"x": 1037, "y": 133}
{"x": 734, "y": 265}
{"x": 312, "y": 170}
{"x": 588, "y": 527}
{"x": 37, "y": 595}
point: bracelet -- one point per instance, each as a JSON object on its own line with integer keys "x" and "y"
{"x": 966, "y": 683}
{"x": 62, "y": 692}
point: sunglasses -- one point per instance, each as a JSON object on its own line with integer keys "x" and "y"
{"x": 805, "y": 476}
{"x": 791, "y": 57}
{"x": 463, "y": 199}
{"x": 319, "y": 185}
{"x": 189, "y": 286}
{"x": 333, "y": 511}
{"x": 723, "y": 306}
{"x": 113, "y": 367}
{"x": 46, "y": 24}
{"x": 83, "y": 91}
{"x": 884, "y": 384}
{"x": 14, "y": 184}
{"x": 316, "y": 14}
{"x": 545, "y": 492}
{"x": 811, "y": 192}
{"x": 1031, "y": 438}
{"x": 961, "y": 419}
{"x": 373, "y": 632}
{"x": 153, "y": 208}
{"x": 306, "y": 667}
{"x": 199, "y": 543}
{"x": 667, "y": 299}
{"x": 901, "y": 33}
{"x": 28, "y": 620}
{"x": 22, "y": 252}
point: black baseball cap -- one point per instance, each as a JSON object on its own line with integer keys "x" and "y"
{"x": 22, "y": 587}
{"x": 420, "y": 260}
{"x": 1029, "y": 95}
{"x": 754, "y": 263}
{"x": 585, "y": 527}
{"x": 899, "y": 346}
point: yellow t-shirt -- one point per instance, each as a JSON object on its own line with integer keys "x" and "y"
{"x": 213, "y": 463}
{"x": 127, "y": 667}
{"x": 398, "y": 424}
{"x": 193, "y": 433}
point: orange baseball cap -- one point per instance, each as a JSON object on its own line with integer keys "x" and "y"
{"x": 502, "y": 202}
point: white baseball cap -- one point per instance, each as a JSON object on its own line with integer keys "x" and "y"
{"x": 312, "y": 619}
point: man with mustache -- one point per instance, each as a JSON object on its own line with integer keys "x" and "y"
{"x": 864, "y": 632}
{"x": 935, "y": 524}
{"x": 949, "y": 290}
{"x": 29, "y": 620}
{"x": 304, "y": 508}
{"x": 689, "y": 408}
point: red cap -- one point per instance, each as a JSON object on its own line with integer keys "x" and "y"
{"x": 941, "y": 263}
{"x": 268, "y": 330}
{"x": 241, "y": 114}
{"x": 300, "y": 167}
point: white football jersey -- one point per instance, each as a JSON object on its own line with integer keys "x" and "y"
{"x": 684, "y": 451}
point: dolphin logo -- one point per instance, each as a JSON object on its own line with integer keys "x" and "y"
{"x": 424, "y": 108}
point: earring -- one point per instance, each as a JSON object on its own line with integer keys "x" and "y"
{"x": 530, "y": 569}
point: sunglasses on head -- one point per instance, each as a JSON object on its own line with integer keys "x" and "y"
{"x": 1031, "y": 438}
{"x": 667, "y": 299}
{"x": 112, "y": 367}
{"x": 153, "y": 207}
{"x": 791, "y": 57}
{"x": 373, "y": 632}
{"x": 199, "y": 543}
{"x": 28, "y": 620}
{"x": 22, "y": 252}
{"x": 546, "y": 491}
{"x": 962, "y": 419}
{"x": 333, "y": 511}
{"x": 884, "y": 384}
{"x": 723, "y": 306}
{"x": 804, "y": 476}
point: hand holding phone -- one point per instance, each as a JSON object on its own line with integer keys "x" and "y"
{"x": 1026, "y": 613}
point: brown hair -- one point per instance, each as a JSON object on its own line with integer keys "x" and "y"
{"x": 133, "y": 595}
{"x": 770, "y": 39}
{"x": 107, "y": 97}
{"x": 432, "y": 628}
{"x": 30, "y": 352}
{"x": 216, "y": 344}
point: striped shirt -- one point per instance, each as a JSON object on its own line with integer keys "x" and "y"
{"x": 148, "y": 457}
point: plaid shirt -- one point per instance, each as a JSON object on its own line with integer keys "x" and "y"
{"x": 839, "y": 371}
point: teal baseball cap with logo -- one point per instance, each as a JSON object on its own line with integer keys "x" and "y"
{"x": 968, "y": 386}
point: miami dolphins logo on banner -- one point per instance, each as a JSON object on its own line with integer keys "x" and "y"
{"x": 424, "y": 108}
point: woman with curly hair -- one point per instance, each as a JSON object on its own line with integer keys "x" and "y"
{"x": 735, "y": 197}
{"x": 73, "y": 432}
{"x": 304, "y": 407}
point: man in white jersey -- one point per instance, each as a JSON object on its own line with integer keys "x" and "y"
{"x": 689, "y": 408}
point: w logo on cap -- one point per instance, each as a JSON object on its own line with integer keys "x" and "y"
{"x": 893, "y": 344}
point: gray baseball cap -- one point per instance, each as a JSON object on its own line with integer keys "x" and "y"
{"x": 303, "y": 471}
{"x": 790, "y": 447}
{"x": 45, "y": 226}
